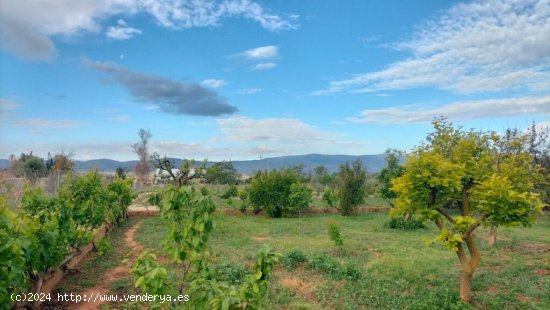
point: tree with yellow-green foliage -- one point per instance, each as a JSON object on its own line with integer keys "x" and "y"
{"x": 459, "y": 180}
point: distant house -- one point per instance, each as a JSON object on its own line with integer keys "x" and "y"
{"x": 245, "y": 178}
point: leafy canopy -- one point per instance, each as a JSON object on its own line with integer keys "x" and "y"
{"x": 468, "y": 170}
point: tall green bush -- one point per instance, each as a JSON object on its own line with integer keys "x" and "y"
{"x": 279, "y": 192}
{"x": 351, "y": 189}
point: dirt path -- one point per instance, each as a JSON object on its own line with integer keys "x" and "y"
{"x": 102, "y": 288}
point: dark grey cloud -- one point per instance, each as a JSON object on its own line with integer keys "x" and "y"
{"x": 171, "y": 96}
{"x": 22, "y": 40}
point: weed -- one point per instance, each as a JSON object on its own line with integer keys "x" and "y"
{"x": 293, "y": 258}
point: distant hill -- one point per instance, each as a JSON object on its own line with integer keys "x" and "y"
{"x": 374, "y": 163}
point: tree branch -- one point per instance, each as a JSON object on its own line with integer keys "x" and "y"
{"x": 473, "y": 227}
{"x": 446, "y": 215}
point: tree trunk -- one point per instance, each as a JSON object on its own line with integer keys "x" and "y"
{"x": 493, "y": 236}
{"x": 465, "y": 281}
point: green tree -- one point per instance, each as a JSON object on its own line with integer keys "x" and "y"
{"x": 461, "y": 172}
{"x": 392, "y": 170}
{"x": 279, "y": 192}
{"x": 323, "y": 177}
{"x": 351, "y": 188}
{"x": 120, "y": 172}
{"x": 33, "y": 167}
{"x": 221, "y": 173}
{"x": 538, "y": 140}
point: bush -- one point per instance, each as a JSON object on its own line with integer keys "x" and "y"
{"x": 103, "y": 246}
{"x": 334, "y": 234}
{"x": 232, "y": 191}
{"x": 329, "y": 198}
{"x": 351, "y": 272}
{"x": 204, "y": 191}
{"x": 333, "y": 269}
{"x": 279, "y": 192}
{"x": 400, "y": 223}
{"x": 155, "y": 199}
{"x": 230, "y": 273}
{"x": 293, "y": 258}
{"x": 352, "y": 186}
{"x": 326, "y": 265}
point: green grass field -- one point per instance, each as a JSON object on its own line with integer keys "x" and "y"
{"x": 377, "y": 268}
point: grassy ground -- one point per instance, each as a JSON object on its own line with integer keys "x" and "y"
{"x": 217, "y": 190}
{"x": 377, "y": 268}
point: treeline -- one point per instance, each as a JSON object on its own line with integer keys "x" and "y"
{"x": 43, "y": 233}
{"x": 33, "y": 167}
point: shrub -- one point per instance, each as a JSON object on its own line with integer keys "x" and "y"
{"x": 400, "y": 223}
{"x": 293, "y": 258}
{"x": 230, "y": 273}
{"x": 103, "y": 246}
{"x": 352, "y": 186}
{"x": 329, "y": 198}
{"x": 351, "y": 272}
{"x": 326, "y": 265}
{"x": 334, "y": 234}
{"x": 204, "y": 191}
{"x": 232, "y": 191}
{"x": 155, "y": 199}
{"x": 279, "y": 192}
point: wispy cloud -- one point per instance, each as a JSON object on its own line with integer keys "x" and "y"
{"x": 7, "y": 105}
{"x": 480, "y": 46}
{"x": 282, "y": 136}
{"x": 214, "y": 83}
{"x": 38, "y": 122}
{"x": 265, "y": 66}
{"x": 466, "y": 110}
{"x": 260, "y": 53}
{"x": 288, "y": 130}
{"x": 27, "y": 26}
{"x": 247, "y": 91}
{"x": 171, "y": 96}
{"x": 121, "y": 31}
{"x": 121, "y": 118}
{"x": 56, "y": 96}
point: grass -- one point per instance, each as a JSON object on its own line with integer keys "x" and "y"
{"x": 397, "y": 270}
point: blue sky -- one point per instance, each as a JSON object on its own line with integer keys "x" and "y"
{"x": 240, "y": 79}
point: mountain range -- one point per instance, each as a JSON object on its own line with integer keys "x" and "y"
{"x": 374, "y": 163}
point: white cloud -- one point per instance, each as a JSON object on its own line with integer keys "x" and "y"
{"x": 121, "y": 32}
{"x": 283, "y": 136}
{"x": 45, "y": 123}
{"x": 466, "y": 110}
{"x": 120, "y": 118}
{"x": 152, "y": 107}
{"x": 473, "y": 47}
{"x": 7, "y": 105}
{"x": 248, "y": 91}
{"x": 265, "y": 66}
{"x": 27, "y": 26}
{"x": 214, "y": 83}
{"x": 262, "y": 52}
{"x": 288, "y": 130}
